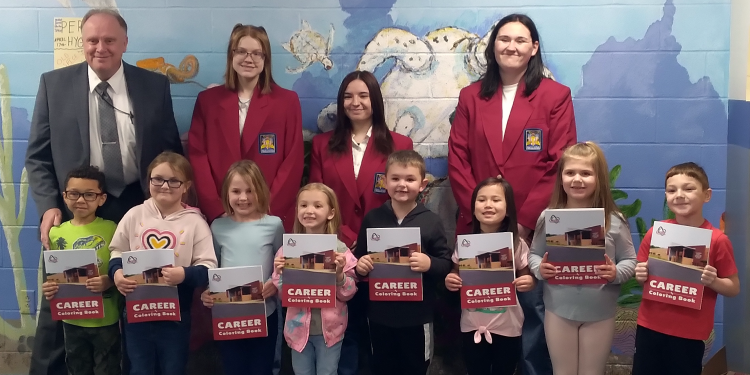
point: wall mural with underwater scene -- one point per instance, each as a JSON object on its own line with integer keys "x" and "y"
{"x": 644, "y": 81}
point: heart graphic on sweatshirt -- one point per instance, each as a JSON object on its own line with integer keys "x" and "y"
{"x": 156, "y": 239}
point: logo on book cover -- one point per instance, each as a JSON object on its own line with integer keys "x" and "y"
{"x": 291, "y": 242}
{"x": 132, "y": 260}
{"x": 216, "y": 277}
{"x": 52, "y": 259}
{"x": 267, "y": 143}
{"x": 465, "y": 243}
{"x": 661, "y": 231}
{"x": 375, "y": 237}
{"x": 379, "y": 184}
{"x": 532, "y": 140}
{"x": 554, "y": 219}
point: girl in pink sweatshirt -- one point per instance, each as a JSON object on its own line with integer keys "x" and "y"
{"x": 315, "y": 334}
{"x": 164, "y": 222}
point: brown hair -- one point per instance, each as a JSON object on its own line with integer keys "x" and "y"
{"x": 179, "y": 165}
{"x": 231, "y": 80}
{"x": 602, "y": 198}
{"x": 332, "y": 226}
{"x": 409, "y": 158}
{"x": 381, "y": 139}
{"x": 250, "y": 172}
{"x": 111, "y": 12}
{"x": 689, "y": 169}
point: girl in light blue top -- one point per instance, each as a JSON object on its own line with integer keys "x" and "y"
{"x": 579, "y": 321}
{"x": 248, "y": 236}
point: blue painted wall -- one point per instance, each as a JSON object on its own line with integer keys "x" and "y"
{"x": 649, "y": 81}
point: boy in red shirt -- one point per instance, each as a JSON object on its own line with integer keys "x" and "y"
{"x": 669, "y": 338}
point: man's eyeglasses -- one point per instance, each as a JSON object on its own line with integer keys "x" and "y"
{"x": 88, "y": 196}
{"x": 158, "y": 181}
{"x": 256, "y": 55}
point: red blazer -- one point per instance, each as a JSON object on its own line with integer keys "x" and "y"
{"x": 272, "y": 137}
{"x": 356, "y": 196}
{"x": 477, "y": 149}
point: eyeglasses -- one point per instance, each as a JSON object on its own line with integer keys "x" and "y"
{"x": 158, "y": 181}
{"x": 256, "y": 55}
{"x": 88, "y": 196}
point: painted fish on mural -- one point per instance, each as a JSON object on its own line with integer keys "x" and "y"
{"x": 309, "y": 46}
{"x": 183, "y": 73}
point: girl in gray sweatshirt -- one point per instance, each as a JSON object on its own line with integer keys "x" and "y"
{"x": 579, "y": 321}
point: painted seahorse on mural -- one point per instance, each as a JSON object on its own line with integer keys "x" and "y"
{"x": 183, "y": 73}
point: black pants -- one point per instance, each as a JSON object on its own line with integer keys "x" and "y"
{"x": 251, "y": 356}
{"x": 660, "y": 354}
{"x": 498, "y": 358}
{"x": 93, "y": 350}
{"x": 399, "y": 350}
{"x": 48, "y": 353}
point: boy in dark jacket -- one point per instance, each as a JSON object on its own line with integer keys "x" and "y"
{"x": 401, "y": 332}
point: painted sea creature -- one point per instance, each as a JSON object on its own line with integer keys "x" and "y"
{"x": 183, "y": 73}
{"x": 309, "y": 46}
{"x": 421, "y": 89}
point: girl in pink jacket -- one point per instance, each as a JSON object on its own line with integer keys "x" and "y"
{"x": 315, "y": 334}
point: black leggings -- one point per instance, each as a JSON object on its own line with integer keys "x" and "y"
{"x": 498, "y": 358}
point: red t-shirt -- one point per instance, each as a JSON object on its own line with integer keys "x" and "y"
{"x": 681, "y": 321}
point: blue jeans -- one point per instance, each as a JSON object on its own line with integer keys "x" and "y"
{"x": 535, "y": 359}
{"x": 316, "y": 358}
{"x": 163, "y": 345}
{"x": 251, "y": 356}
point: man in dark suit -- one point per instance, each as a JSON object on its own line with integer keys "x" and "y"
{"x": 103, "y": 112}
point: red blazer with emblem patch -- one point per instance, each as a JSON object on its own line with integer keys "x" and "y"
{"x": 477, "y": 149}
{"x": 272, "y": 137}
{"x": 356, "y": 196}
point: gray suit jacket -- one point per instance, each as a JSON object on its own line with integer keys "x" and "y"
{"x": 59, "y": 138}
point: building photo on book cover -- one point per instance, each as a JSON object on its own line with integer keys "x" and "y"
{"x": 486, "y": 264}
{"x": 153, "y": 299}
{"x": 676, "y": 258}
{"x": 575, "y": 239}
{"x": 309, "y": 277}
{"x": 70, "y": 269}
{"x": 391, "y": 278}
{"x": 239, "y": 310}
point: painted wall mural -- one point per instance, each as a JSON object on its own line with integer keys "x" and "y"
{"x": 645, "y": 81}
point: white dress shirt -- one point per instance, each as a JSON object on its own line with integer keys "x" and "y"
{"x": 244, "y": 105}
{"x": 118, "y": 91}
{"x": 509, "y": 96}
{"x": 358, "y": 151}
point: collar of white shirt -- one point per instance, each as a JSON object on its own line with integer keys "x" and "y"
{"x": 367, "y": 138}
{"x": 116, "y": 82}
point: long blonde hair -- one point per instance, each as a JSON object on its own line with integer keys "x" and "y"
{"x": 591, "y": 152}
{"x": 250, "y": 172}
{"x": 332, "y": 226}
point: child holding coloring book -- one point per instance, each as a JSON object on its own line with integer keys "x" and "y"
{"x": 669, "y": 338}
{"x": 492, "y": 336}
{"x": 401, "y": 331}
{"x": 315, "y": 334}
{"x": 579, "y": 320}
{"x": 248, "y": 236}
{"x": 164, "y": 222}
